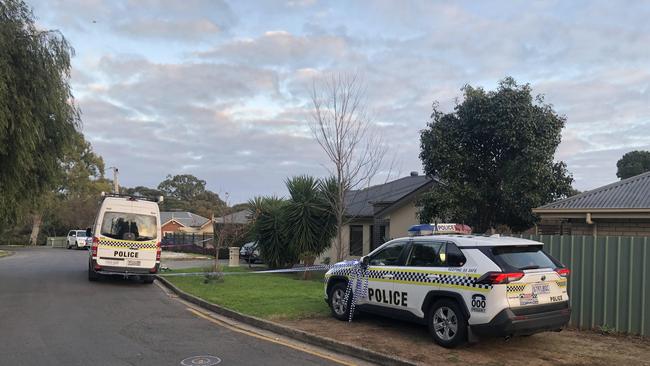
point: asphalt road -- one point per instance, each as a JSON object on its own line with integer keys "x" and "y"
{"x": 51, "y": 315}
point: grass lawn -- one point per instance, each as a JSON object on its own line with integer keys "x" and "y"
{"x": 4, "y": 253}
{"x": 269, "y": 296}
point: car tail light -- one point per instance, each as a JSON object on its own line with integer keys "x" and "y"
{"x": 563, "y": 272}
{"x": 158, "y": 251}
{"x": 498, "y": 278}
{"x": 94, "y": 247}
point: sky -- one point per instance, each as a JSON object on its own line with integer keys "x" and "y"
{"x": 221, "y": 89}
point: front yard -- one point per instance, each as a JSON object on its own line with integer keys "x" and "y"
{"x": 297, "y": 303}
{"x": 268, "y": 296}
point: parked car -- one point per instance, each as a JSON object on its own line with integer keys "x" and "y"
{"x": 77, "y": 239}
{"x": 250, "y": 253}
{"x": 459, "y": 286}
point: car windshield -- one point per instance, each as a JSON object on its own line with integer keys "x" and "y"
{"x": 523, "y": 257}
{"x": 81, "y": 233}
{"x": 129, "y": 226}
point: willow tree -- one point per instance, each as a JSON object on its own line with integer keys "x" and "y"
{"x": 37, "y": 113}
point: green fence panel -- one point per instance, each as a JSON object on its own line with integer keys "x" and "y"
{"x": 609, "y": 284}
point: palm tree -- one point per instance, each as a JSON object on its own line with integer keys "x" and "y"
{"x": 309, "y": 218}
{"x": 268, "y": 215}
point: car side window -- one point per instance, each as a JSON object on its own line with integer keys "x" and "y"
{"x": 426, "y": 254}
{"x": 455, "y": 257}
{"x": 389, "y": 255}
{"x": 72, "y": 233}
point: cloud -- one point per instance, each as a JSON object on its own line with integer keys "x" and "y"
{"x": 221, "y": 89}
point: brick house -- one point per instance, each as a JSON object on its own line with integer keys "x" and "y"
{"x": 184, "y": 222}
{"x": 618, "y": 209}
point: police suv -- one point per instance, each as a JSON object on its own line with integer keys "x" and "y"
{"x": 125, "y": 238}
{"x": 460, "y": 286}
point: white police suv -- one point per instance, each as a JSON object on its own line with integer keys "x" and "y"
{"x": 458, "y": 285}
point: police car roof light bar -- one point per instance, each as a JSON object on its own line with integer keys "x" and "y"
{"x": 433, "y": 229}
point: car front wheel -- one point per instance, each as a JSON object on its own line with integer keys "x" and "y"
{"x": 340, "y": 308}
{"x": 447, "y": 323}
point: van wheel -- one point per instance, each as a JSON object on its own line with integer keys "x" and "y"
{"x": 92, "y": 275}
{"x": 147, "y": 279}
{"x": 447, "y": 323}
{"x": 336, "y": 299}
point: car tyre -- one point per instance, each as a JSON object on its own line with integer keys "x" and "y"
{"x": 147, "y": 279}
{"x": 340, "y": 309}
{"x": 447, "y": 323}
{"x": 92, "y": 275}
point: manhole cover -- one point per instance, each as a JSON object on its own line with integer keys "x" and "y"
{"x": 201, "y": 361}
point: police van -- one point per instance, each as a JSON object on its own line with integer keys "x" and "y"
{"x": 461, "y": 286}
{"x": 125, "y": 238}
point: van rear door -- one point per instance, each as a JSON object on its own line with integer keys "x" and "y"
{"x": 128, "y": 240}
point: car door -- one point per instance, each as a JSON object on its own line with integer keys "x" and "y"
{"x": 422, "y": 272}
{"x": 72, "y": 236}
{"x": 383, "y": 267}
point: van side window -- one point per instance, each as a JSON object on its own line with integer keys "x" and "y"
{"x": 455, "y": 257}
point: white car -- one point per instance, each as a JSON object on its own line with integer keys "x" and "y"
{"x": 76, "y": 239}
{"x": 459, "y": 286}
{"x": 126, "y": 238}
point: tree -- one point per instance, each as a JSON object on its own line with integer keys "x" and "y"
{"x": 310, "y": 221}
{"x": 37, "y": 115}
{"x": 268, "y": 225}
{"x": 348, "y": 137}
{"x": 633, "y": 163}
{"x": 493, "y": 157}
{"x": 187, "y": 192}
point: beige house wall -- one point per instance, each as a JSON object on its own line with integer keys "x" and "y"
{"x": 331, "y": 253}
{"x": 402, "y": 219}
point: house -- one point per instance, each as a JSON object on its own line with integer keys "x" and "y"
{"x": 241, "y": 217}
{"x": 185, "y": 222}
{"x": 379, "y": 213}
{"x": 618, "y": 209}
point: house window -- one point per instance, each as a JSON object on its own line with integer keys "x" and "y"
{"x": 356, "y": 240}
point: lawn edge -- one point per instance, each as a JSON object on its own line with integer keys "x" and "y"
{"x": 9, "y": 253}
{"x": 297, "y": 334}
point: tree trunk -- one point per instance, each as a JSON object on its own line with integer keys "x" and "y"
{"x": 309, "y": 261}
{"x": 37, "y": 219}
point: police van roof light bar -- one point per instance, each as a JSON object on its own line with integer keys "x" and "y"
{"x": 132, "y": 197}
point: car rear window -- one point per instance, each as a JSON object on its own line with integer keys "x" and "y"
{"x": 129, "y": 226}
{"x": 523, "y": 257}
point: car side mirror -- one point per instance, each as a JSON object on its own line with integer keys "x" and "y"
{"x": 89, "y": 233}
{"x": 365, "y": 260}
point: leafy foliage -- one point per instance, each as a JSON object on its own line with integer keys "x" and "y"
{"x": 633, "y": 163}
{"x": 494, "y": 158}
{"x": 37, "y": 116}
{"x": 269, "y": 227}
{"x": 187, "y": 193}
{"x": 310, "y": 221}
{"x": 301, "y": 227}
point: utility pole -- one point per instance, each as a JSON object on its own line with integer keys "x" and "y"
{"x": 116, "y": 186}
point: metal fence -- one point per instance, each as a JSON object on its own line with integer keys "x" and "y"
{"x": 609, "y": 285}
{"x": 57, "y": 241}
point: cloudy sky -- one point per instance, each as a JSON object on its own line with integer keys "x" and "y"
{"x": 221, "y": 89}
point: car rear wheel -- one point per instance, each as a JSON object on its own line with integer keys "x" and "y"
{"x": 92, "y": 275}
{"x": 336, "y": 298}
{"x": 447, "y": 323}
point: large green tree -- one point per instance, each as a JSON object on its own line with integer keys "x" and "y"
{"x": 37, "y": 115}
{"x": 633, "y": 163}
{"x": 494, "y": 157}
{"x": 187, "y": 192}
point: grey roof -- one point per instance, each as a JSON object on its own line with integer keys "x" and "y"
{"x": 630, "y": 193}
{"x": 185, "y": 218}
{"x": 239, "y": 217}
{"x": 360, "y": 202}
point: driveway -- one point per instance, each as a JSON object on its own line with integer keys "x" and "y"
{"x": 51, "y": 315}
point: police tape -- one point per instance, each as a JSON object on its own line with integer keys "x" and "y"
{"x": 356, "y": 272}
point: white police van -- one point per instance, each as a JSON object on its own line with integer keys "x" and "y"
{"x": 459, "y": 286}
{"x": 125, "y": 238}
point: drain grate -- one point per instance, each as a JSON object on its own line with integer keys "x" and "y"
{"x": 201, "y": 361}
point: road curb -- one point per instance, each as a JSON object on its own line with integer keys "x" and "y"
{"x": 330, "y": 344}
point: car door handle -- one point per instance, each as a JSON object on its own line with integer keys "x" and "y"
{"x": 432, "y": 277}
{"x": 389, "y": 276}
